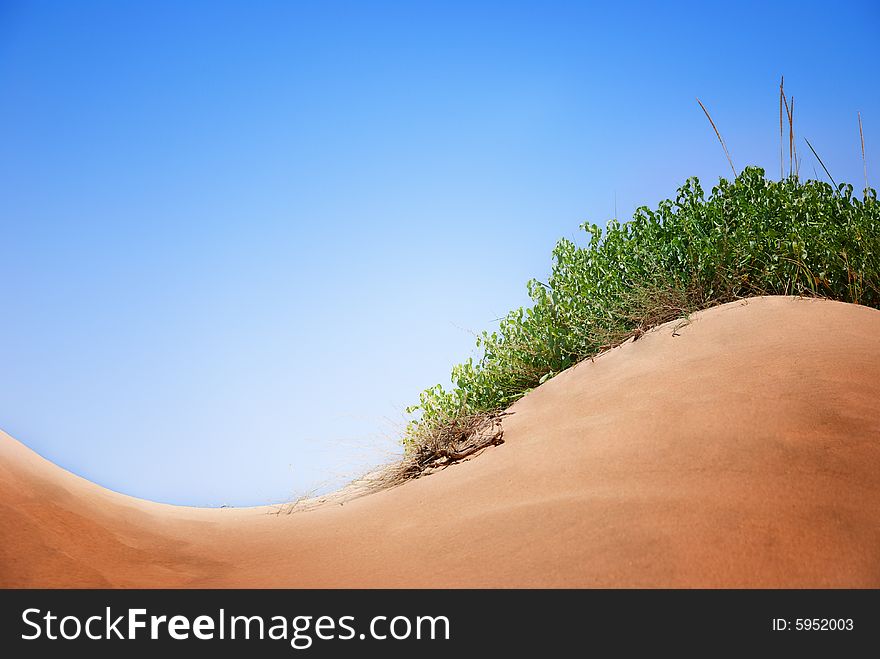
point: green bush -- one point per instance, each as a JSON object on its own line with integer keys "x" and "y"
{"x": 750, "y": 236}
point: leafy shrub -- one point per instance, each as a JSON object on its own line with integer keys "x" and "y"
{"x": 750, "y": 236}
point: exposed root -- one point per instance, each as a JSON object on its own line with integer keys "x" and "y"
{"x": 463, "y": 438}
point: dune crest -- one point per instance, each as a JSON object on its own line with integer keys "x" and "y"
{"x": 738, "y": 449}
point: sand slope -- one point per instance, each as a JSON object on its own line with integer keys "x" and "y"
{"x": 742, "y": 449}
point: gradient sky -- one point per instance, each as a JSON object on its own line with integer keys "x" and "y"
{"x": 238, "y": 238}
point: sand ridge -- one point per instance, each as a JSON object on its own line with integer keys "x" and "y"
{"x": 738, "y": 449}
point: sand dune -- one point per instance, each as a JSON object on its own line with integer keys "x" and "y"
{"x": 739, "y": 450}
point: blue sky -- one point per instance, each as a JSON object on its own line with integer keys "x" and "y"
{"x": 238, "y": 238}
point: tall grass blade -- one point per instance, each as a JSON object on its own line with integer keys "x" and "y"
{"x": 790, "y": 131}
{"x": 720, "y": 139}
{"x": 821, "y": 163}
{"x": 864, "y": 161}
{"x": 781, "y": 139}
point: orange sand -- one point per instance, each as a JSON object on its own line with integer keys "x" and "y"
{"x": 739, "y": 450}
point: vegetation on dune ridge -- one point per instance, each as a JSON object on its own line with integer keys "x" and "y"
{"x": 750, "y": 236}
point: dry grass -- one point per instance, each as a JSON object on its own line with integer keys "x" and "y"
{"x": 864, "y": 160}
{"x": 718, "y": 134}
{"x": 781, "y": 148}
{"x": 460, "y": 440}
